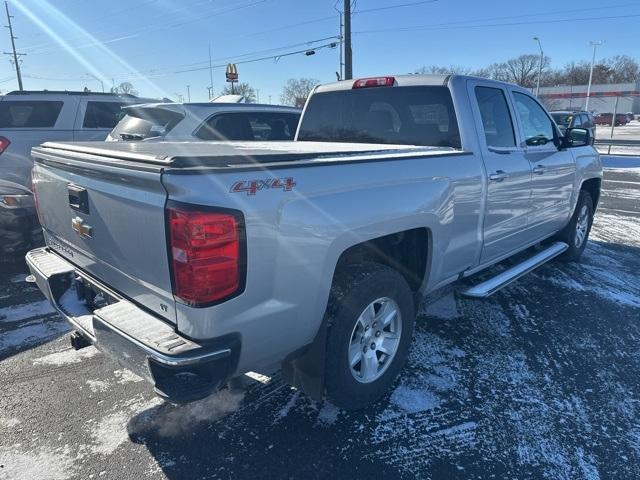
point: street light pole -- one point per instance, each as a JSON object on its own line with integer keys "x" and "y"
{"x": 348, "y": 60}
{"x": 539, "y": 66}
{"x": 189, "y": 93}
{"x": 593, "y": 60}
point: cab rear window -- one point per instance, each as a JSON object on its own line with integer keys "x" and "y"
{"x": 143, "y": 123}
{"x": 29, "y": 113}
{"x": 391, "y": 115}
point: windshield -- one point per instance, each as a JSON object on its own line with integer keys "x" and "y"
{"x": 143, "y": 123}
{"x": 391, "y": 115}
{"x": 562, "y": 119}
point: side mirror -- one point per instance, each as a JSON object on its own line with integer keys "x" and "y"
{"x": 576, "y": 137}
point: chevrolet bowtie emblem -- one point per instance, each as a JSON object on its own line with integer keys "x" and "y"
{"x": 80, "y": 228}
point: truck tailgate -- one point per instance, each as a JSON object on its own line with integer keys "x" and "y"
{"x": 108, "y": 219}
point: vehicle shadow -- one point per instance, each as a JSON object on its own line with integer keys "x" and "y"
{"x": 264, "y": 437}
{"x": 483, "y": 376}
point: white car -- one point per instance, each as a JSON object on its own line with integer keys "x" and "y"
{"x": 29, "y": 118}
{"x": 206, "y": 121}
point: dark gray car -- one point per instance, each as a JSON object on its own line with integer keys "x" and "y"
{"x": 566, "y": 119}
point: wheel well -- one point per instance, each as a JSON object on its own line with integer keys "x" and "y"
{"x": 406, "y": 251}
{"x": 593, "y": 187}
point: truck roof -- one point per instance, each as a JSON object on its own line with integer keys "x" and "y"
{"x": 412, "y": 80}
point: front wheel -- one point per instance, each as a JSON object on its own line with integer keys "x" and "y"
{"x": 371, "y": 319}
{"x": 576, "y": 233}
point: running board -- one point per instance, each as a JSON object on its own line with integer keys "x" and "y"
{"x": 491, "y": 286}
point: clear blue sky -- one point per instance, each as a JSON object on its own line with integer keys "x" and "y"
{"x": 147, "y": 41}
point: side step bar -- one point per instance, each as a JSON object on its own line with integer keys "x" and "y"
{"x": 492, "y": 285}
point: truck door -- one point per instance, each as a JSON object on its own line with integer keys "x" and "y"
{"x": 508, "y": 187}
{"x": 553, "y": 170}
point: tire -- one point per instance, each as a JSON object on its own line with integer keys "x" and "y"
{"x": 365, "y": 295}
{"x": 576, "y": 233}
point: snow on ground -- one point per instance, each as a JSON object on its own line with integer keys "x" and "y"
{"x": 538, "y": 381}
{"x": 66, "y": 356}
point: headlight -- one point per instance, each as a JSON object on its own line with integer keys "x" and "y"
{"x": 16, "y": 201}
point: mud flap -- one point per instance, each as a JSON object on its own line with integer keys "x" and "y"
{"x": 305, "y": 370}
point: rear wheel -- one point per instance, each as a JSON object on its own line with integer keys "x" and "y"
{"x": 371, "y": 319}
{"x": 576, "y": 233}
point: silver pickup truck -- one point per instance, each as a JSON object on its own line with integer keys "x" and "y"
{"x": 194, "y": 263}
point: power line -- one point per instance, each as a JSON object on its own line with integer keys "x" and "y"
{"x": 237, "y": 58}
{"x": 416, "y": 28}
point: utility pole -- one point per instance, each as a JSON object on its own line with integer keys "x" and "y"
{"x": 269, "y": 99}
{"x": 539, "y": 66}
{"x": 593, "y": 60}
{"x": 210, "y": 74}
{"x": 189, "y": 93}
{"x": 13, "y": 46}
{"x": 348, "y": 60}
{"x": 257, "y": 95}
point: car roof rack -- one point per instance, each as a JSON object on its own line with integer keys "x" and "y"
{"x": 68, "y": 92}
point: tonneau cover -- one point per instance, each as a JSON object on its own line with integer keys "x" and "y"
{"x": 231, "y": 154}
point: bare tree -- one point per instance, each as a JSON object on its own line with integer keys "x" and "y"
{"x": 450, "y": 70}
{"x": 296, "y": 91}
{"x": 241, "y": 88}
{"x": 125, "y": 87}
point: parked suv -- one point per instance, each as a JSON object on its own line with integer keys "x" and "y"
{"x": 566, "y": 119}
{"x": 206, "y": 121}
{"x": 29, "y": 118}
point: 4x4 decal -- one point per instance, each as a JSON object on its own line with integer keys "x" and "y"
{"x": 251, "y": 187}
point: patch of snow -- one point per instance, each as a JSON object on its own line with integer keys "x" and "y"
{"x": 17, "y": 313}
{"x": 125, "y": 375}
{"x": 284, "y": 411}
{"x": 98, "y": 385}
{"x": 328, "y": 414}
{"x": 612, "y": 228}
{"x": 414, "y": 400}
{"x": 44, "y": 464}
{"x": 9, "y": 422}
{"x": 19, "y": 278}
{"x": 32, "y": 333}
{"x": 587, "y": 467}
{"x": 110, "y": 432}
{"x": 67, "y": 356}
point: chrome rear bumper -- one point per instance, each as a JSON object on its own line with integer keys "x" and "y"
{"x": 180, "y": 369}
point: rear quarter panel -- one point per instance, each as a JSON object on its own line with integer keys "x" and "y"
{"x": 295, "y": 238}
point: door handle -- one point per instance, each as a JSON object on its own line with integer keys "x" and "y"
{"x": 498, "y": 176}
{"x": 539, "y": 169}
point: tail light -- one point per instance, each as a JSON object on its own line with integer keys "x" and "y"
{"x": 208, "y": 254}
{"x": 4, "y": 143}
{"x": 374, "y": 82}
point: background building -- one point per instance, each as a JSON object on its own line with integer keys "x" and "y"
{"x": 603, "y": 97}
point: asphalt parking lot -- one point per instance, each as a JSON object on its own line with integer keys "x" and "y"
{"x": 539, "y": 381}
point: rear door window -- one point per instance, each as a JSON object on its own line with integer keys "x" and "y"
{"x": 29, "y": 114}
{"x": 496, "y": 118}
{"x": 261, "y": 126}
{"x": 102, "y": 114}
{"x": 391, "y": 115}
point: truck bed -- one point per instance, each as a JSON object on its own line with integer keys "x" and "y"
{"x": 233, "y": 155}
